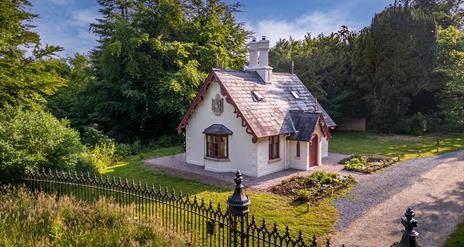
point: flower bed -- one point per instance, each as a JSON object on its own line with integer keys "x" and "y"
{"x": 366, "y": 164}
{"x": 314, "y": 187}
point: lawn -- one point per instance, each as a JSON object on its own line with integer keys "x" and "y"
{"x": 407, "y": 147}
{"x": 320, "y": 219}
{"x": 457, "y": 238}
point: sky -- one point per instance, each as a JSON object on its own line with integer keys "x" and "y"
{"x": 66, "y": 22}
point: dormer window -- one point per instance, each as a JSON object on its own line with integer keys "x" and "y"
{"x": 295, "y": 95}
{"x": 257, "y": 96}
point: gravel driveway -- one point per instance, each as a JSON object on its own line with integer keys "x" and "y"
{"x": 433, "y": 187}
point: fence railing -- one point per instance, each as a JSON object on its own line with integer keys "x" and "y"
{"x": 207, "y": 223}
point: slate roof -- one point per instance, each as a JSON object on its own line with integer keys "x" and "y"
{"x": 305, "y": 123}
{"x": 218, "y": 129}
{"x": 271, "y": 116}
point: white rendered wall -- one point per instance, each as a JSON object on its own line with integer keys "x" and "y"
{"x": 300, "y": 163}
{"x": 325, "y": 147}
{"x": 242, "y": 151}
{"x": 265, "y": 166}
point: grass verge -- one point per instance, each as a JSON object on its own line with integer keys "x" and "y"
{"x": 28, "y": 219}
{"x": 456, "y": 238}
{"x": 407, "y": 147}
{"x": 319, "y": 220}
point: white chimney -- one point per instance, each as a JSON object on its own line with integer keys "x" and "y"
{"x": 253, "y": 53}
{"x": 259, "y": 59}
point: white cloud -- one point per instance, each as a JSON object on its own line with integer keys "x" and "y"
{"x": 314, "y": 22}
{"x": 84, "y": 17}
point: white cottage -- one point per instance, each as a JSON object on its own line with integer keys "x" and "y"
{"x": 256, "y": 121}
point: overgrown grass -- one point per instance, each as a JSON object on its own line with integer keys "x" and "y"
{"x": 28, "y": 219}
{"x": 319, "y": 220}
{"x": 457, "y": 238}
{"x": 407, "y": 147}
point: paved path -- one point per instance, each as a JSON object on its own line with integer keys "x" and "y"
{"x": 176, "y": 165}
{"x": 433, "y": 187}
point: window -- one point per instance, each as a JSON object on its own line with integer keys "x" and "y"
{"x": 273, "y": 147}
{"x": 217, "y": 146}
{"x": 297, "y": 149}
{"x": 295, "y": 95}
{"x": 257, "y": 96}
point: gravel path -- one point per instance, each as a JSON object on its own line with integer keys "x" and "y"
{"x": 433, "y": 186}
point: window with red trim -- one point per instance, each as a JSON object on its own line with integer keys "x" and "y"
{"x": 297, "y": 149}
{"x": 217, "y": 146}
{"x": 274, "y": 147}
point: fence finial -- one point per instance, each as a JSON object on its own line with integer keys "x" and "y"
{"x": 238, "y": 202}
{"x": 409, "y": 234}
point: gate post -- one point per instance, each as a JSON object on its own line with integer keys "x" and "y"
{"x": 409, "y": 234}
{"x": 238, "y": 209}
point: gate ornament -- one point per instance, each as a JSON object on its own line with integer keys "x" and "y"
{"x": 238, "y": 202}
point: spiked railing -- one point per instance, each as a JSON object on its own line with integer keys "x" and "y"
{"x": 207, "y": 223}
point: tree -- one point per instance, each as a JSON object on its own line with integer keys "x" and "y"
{"x": 450, "y": 46}
{"x": 446, "y": 12}
{"x": 323, "y": 63}
{"x": 151, "y": 59}
{"x": 27, "y": 74}
{"x": 31, "y": 140}
{"x": 393, "y": 62}
{"x": 68, "y": 100}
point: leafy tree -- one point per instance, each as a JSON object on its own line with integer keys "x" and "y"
{"x": 68, "y": 101}
{"x": 27, "y": 75}
{"x": 31, "y": 140}
{"x": 450, "y": 46}
{"x": 393, "y": 62}
{"x": 323, "y": 63}
{"x": 446, "y": 12}
{"x": 152, "y": 58}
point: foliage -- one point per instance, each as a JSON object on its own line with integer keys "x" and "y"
{"x": 319, "y": 220}
{"x": 323, "y": 63}
{"x": 68, "y": 102}
{"x": 393, "y": 61}
{"x": 450, "y": 49}
{"x": 393, "y": 146}
{"x": 456, "y": 238}
{"x": 366, "y": 164}
{"x": 415, "y": 125}
{"x": 314, "y": 187}
{"x": 445, "y": 12}
{"x": 150, "y": 62}
{"x": 49, "y": 221}
{"x": 33, "y": 140}
{"x": 27, "y": 74}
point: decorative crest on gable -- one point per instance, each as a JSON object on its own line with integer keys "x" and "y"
{"x": 217, "y": 105}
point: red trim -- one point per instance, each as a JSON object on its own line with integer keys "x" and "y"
{"x": 212, "y": 77}
{"x": 324, "y": 128}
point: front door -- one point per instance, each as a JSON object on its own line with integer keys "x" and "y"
{"x": 314, "y": 151}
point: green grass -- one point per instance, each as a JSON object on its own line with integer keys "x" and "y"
{"x": 319, "y": 220}
{"x": 29, "y": 219}
{"x": 456, "y": 238}
{"x": 407, "y": 147}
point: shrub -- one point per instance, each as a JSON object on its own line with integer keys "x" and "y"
{"x": 418, "y": 124}
{"x": 50, "y": 221}
{"x": 32, "y": 140}
{"x": 103, "y": 155}
{"x": 314, "y": 187}
{"x": 92, "y": 136}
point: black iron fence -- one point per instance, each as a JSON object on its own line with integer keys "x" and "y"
{"x": 209, "y": 224}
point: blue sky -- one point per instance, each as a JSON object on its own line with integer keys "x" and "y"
{"x": 66, "y": 22}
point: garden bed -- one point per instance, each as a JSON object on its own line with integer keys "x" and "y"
{"x": 366, "y": 164}
{"x": 313, "y": 188}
